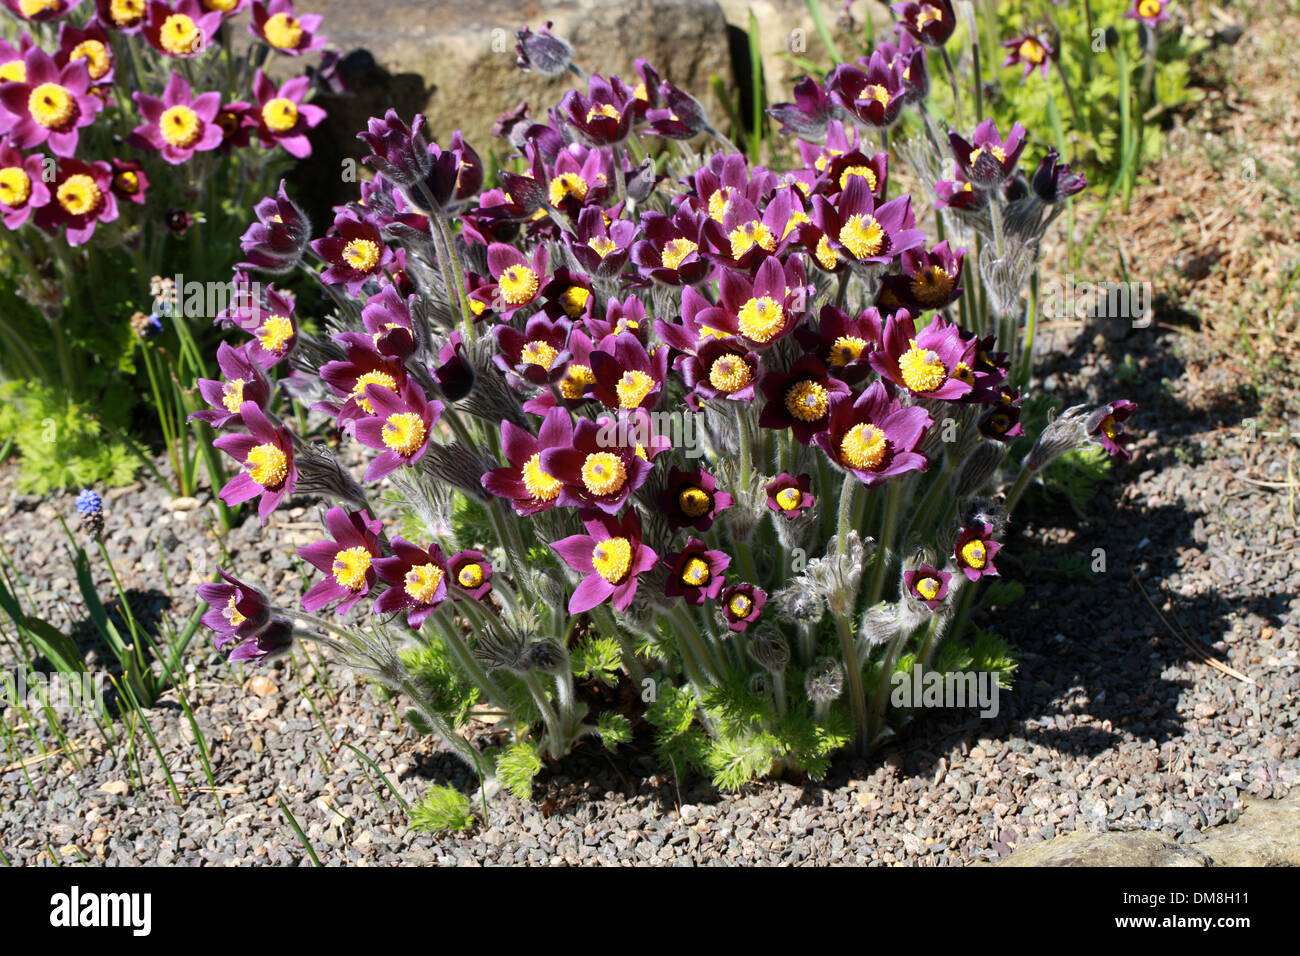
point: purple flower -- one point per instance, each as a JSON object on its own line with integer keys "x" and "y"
{"x": 719, "y": 368}
{"x": 83, "y": 198}
{"x": 670, "y": 251}
{"x": 184, "y": 30}
{"x": 1053, "y": 180}
{"x": 90, "y": 44}
{"x": 124, "y": 15}
{"x": 471, "y": 573}
{"x": 683, "y": 118}
{"x": 691, "y": 499}
{"x": 929, "y": 279}
{"x": 548, "y": 55}
{"x": 927, "y": 585}
{"x": 604, "y": 116}
{"x": 931, "y": 21}
{"x": 266, "y": 453}
{"x": 695, "y": 572}
{"x": 282, "y": 116}
{"x": 539, "y": 353}
{"x": 180, "y": 124}
{"x": 1105, "y": 426}
{"x": 518, "y": 279}
{"x": 1002, "y": 421}
{"x": 348, "y": 560}
{"x": 397, "y": 151}
{"x": 41, "y": 10}
{"x": 453, "y": 373}
{"x": 129, "y": 181}
{"x": 807, "y": 117}
{"x": 933, "y": 363}
{"x": 874, "y": 436}
{"x": 277, "y": 23}
{"x": 597, "y": 470}
{"x": 1150, "y": 12}
{"x": 1032, "y": 51}
{"x": 864, "y": 232}
{"x": 355, "y": 252}
{"x": 418, "y": 579}
{"x": 611, "y": 555}
{"x": 399, "y": 429}
{"x": 874, "y": 97}
{"x": 271, "y": 323}
{"x": 800, "y": 399}
{"x": 742, "y": 605}
{"x": 844, "y": 344}
{"x": 238, "y": 610}
{"x": 788, "y": 496}
{"x": 626, "y": 376}
{"x": 764, "y": 311}
{"x": 988, "y": 160}
{"x": 22, "y": 185}
{"x": 352, "y": 377}
{"x": 525, "y": 482}
{"x": 975, "y": 549}
{"x": 48, "y": 105}
{"x": 243, "y": 382}
{"x": 601, "y": 248}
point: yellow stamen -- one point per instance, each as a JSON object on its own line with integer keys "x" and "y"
{"x": 52, "y": 106}
{"x": 1032, "y": 51}
{"x": 94, "y": 53}
{"x": 827, "y": 257}
{"x": 267, "y": 465}
{"x": 974, "y": 554}
{"x": 789, "y": 498}
{"x": 997, "y": 151}
{"x": 275, "y": 333}
{"x": 15, "y": 71}
{"x": 127, "y": 181}
{"x": 470, "y": 576}
{"x": 30, "y": 8}
{"x": 862, "y": 236}
{"x": 232, "y": 395}
{"x": 604, "y": 473}
{"x": 846, "y": 349}
{"x": 126, "y": 13}
{"x": 80, "y": 195}
{"x": 404, "y": 433}
{"x": 730, "y": 373}
{"x": 633, "y": 388}
{"x": 180, "y": 126}
{"x": 807, "y": 401}
{"x": 518, "y": 285}
{"x": 761, "y": 319}
{"x": 694, "y": 502}
{"x": 15, "y": 186}
{"x": 603, "y": 245}
{"x": 573, "y": 300}
{"x": 280, "y": 114}
{"x": 282, "y": 31}
{"x": 922, "y": 370}
{"x": 864, "y": 447}
{"x": 362, "y": 254}
{"x": 718, "y": 203}
{"x": 927, "y": 587}
{"x": 540, "y": 485}
{"x": 575, "y": 381}
{"x": 350, "y": 567}
{"x": 538, "y": 352}
{"x": 566, "y": 185}
{"x": 753, "y": 233}
{"x": 602, "y": 109}
{"x": 695, "y": 573}
{"x": 677, "y": 250}
{"x": 866, "y": 172}
{"x": 179, "y": 35}
{"x": 740, "y": 605}
{"x": 422, "y": 582}
{"x": 612, "y": 559}
{"x": 932, "y": 286}
{"x": 371, "y": 378}
{"x": 231, "y": 613}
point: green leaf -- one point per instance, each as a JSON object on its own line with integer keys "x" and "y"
{"x": 599, "y": 658}
{"x": 516, "y": 767}
{"x": 614, "y": 729}
{"x": 442, "y": 809}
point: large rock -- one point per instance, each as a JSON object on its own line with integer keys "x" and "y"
{"x": 1267, "y": 834}
{"x": 1081, "y": 848}
{"x": 454, "y": 60}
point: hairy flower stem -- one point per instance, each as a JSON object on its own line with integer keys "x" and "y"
{"x": 880, "y": 693}
{"x": 853, "y": 676}
{"x": 605, "y": 618}
{"x": 807, "y": 643}
{"x": 893, "y": 505}
{"x": 713, "y": 664}
{"x": 554, "y": 732}
{"x": 460, "y": 650}
{"x": 1018, "y": 489}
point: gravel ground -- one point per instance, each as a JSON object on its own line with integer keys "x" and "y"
{"x": 1114, "y": 722}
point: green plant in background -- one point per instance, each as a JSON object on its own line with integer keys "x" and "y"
{"x": 139, "y": 164}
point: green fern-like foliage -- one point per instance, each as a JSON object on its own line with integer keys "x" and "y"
{"x": 516, "y": 767}
{"x": 62, "y": 444}
{"x": 449, "y": 692}
{"x": 598, "y": 658}
{"x": 734, "y": 761}
{"x": 443, "y": 809}
{"x": 678, "y": 741}
{"x": 993, "y": 654}
{"x": 614, "y": 729}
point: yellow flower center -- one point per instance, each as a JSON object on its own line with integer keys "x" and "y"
{"x": 15, "y": 186}
{"x": 761, "y": 319}
{"x": 538, "y": 352}
{"x": 730, "y": 373}
{"x": 740, "y": 605}
{"x": 862, "y": 236}
{"x": 362, "y": 254}
{"x": 612, "y": 559}
{"x": 575, "y": 381}
{"x": 282, "y": 31}
{"x": 974, "y": 554}
{"x": 922, "y": 370}
{"x": 80, "y": 195}
{"x": 371, "y": 378}
{"x": 846, "y": 349}
{"x": 694, "y": 502}
{"x": 926, "y": 14}
{"x": 932, "y": 286}
{"x": 633, "y": 388}
{"x": 677, "y": 250}
{"x": 1150, "y": 8}
{"x": 350, "y": 567}
{"x": 15, "y": 71}
{"x": 539, "y": 484}
{"x": 573, "y": 300}
{"x": 52, "y": 106}
{"x": 604, "y": 473}
{"x": 470, "y": 576}
{"x": 797, "y": 219}
{"x": 743, "y": 238}
{"x": 789, "y": 498}
{"x": 864, "y": 447}
{"x": 566, "y": 185}
{"x": 1032, "y": 51}
{"x": 927, "y": 587}
{"x": 827, "y": 257}
{"x": 179, "y": 35}
{"x": 267, "y": 465}
{"x": 221, "y": 6}
{"x": 695, "y": 573}
{"x": 718, "y": 203}
{"x": 95, "y": 54}
{"x": 602, "y": 109}
{"x": 404, "y": 433}
{"x": 1110, "y": 427}
{"x": 126, "y": 181}
{"x": 232, "y": 395}
{"x": 30, "y": 8}
{"x": 807, "y": 401}
{"x": 997, "y": 151}
{"x": 280, "y": 114}
{"x": 518, "y": 285}
{"x": 180, "y": 126}
{"x": 126, "y": 13}
{"x": 603, "y": 245}
{"x": 876, "y": 92}
{"x": 866, "y": 172}
{"x": 964, "y": 373}
{"x": 422, "y": 582}
{"x": 275, "y": 333}
{"x": 231, "y": 613}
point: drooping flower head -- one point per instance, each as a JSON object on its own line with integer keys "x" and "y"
{"x": 347, "y": 560}
{"x": 807, "y": 117}
{"x": 238, "y": 610}
{"x": 266, "y": 454}
{"x": 1053, "y": 181}
{"x": 1105, "y": 426}
{"x": 611, "y": 555}
{"x": 277, "y": 241}
{"x": 549, "y": 55}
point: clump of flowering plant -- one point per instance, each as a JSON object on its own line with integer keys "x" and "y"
{"x": 752, "y": 467}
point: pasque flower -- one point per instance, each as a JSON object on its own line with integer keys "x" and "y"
{"x": 22, "y": 185}
{"x": 1150, "y": 12}
{"x": 541, "y": 51}
{"x": 518, "y": 278}
{"x": 670, "y": 252}
{"x": 1105, "y": 426}
{"x": 471, "y": 574}
{"x": 808, "y": 116}
{"x": 988, "y": 160}
{"x": 695, "y": 572}
{"x": 975, "y": 549}
{"x": 39, "y": 11}
{"x": 788, "y": 495}
{"x": 1030, "y": 50}
{"x": 539, "y": 353}
{"x": 604, "y": 116}
{"x": 281, "y": 115}
{"x": 611, "y": 555}
{"x": 933, "y": 363}
{"x": 723, "y": 368}
{"x": 277, "y": 241}
{"x": 742, "y": 605}
{"x": 183, "y": 29}
{"x": 242, "y": 381}
{"x": 594, "y": 472}
{"x": 601, "y": 248}
{"x": 691, "y": 499}
{"x": 89, "y": 44}
{"x": 844, "y": 343}
{"x": 278, "y": 24}
{"x": 930, "y": 21}
{"x": 873, "y": 436}
{"x": 355, "y": 252}
{"x": 351, "y": 378}
{"x": 130, "y": 182}
{"x": 874, "y": 97}
{"x": 862, "y": 231}
{"x": 625, "y": 375}
{"x": 180, "y": 124}
{"x": 50, "y": 104}
{"x": 397, "y": 151}
{"x": 126, "y": 16}
{"x": 1053, "y": 181}
{"x": 267, "y": 456}
{"x": 418, "y": 579}
{"x": 347, "y": 560}
{"x": 270, "y": 321}
{"x": 927, "y": 585}
{"x": 82, "y": 198}
{"x": 800, "y": 398}
{"x": 928, "y": 281}
{"x": 400, "y": 427}
{"x": 237, "y": 609}
{"x": 524, "y": 481}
